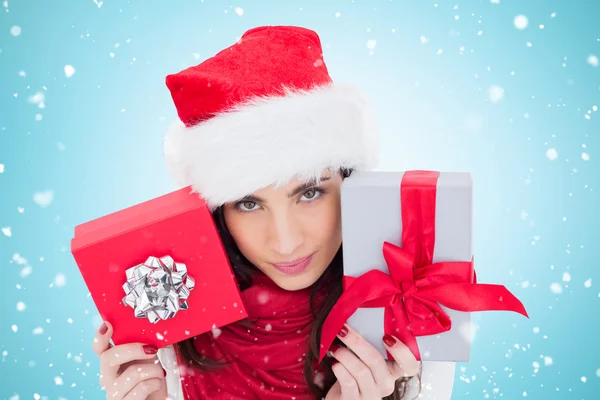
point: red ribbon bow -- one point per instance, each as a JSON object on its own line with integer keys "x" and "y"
{"x": 415, "y": 287}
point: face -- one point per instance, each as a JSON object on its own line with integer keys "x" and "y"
{"x": 290, "y": 232}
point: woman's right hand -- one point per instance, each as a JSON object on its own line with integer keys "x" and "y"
{"x": 129, "y": 371}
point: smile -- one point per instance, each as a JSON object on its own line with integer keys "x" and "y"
{"x": 294, "y": 267}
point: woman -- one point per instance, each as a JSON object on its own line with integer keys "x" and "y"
{"x": 266, "y": 138}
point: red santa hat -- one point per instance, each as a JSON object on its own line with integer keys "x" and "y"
{"x": 261, "y": 112}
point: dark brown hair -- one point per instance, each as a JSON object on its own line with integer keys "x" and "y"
{"x": 330, "y": 282}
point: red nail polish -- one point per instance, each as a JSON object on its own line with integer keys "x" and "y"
{"x": 149, "y": 349}
{"x": 334, "y": 347}
{"x": 389, "y": 340}
{"x": 103, "y": 328}
{"x": 165, "y": 372}
{"x": 343, "y": 332}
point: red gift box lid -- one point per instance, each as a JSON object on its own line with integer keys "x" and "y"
{"x": 177, "y": 225}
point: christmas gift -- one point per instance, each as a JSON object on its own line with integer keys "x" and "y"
{"x": 157, "y": 271}
{"x": 408, "y": 264}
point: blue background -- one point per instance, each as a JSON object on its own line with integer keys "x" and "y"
{"x": 94, "y": 145}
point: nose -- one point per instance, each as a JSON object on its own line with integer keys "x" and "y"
{"x": 285, "y": 234}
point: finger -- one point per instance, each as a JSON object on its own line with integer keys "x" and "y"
{"x": 112, "y": 359}
{"x": 102, "y": 338}
{"x": 134, "y": 375}
{"x": 405, "y": 364}
{"x": 348, "y": 385}
{"x": 143, "y": 389}
{"x": 370, "y": 356}
{"x": 358, "y": 370}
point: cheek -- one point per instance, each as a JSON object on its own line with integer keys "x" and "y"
{"x": 327, "y": 228}
{"x": 246, "y": 233}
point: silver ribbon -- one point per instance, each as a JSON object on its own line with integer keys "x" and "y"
{"x": 158, "y": 288}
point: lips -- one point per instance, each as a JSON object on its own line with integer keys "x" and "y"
{"x": 294, "y": 267}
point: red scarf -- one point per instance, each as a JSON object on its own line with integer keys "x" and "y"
{"x": 266, "y": 355}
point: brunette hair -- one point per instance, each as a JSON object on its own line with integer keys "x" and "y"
{"x": 330, "y": 282}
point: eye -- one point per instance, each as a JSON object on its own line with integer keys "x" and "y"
{"x": 312, "y": 194}
{"x": 247, "y": 205}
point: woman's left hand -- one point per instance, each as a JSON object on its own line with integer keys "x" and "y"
{"x": 363, "y": 373}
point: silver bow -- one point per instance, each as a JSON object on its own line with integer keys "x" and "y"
{"x": 158, "y": 288}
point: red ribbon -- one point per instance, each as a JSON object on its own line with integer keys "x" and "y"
{"x": 415, "y": 287}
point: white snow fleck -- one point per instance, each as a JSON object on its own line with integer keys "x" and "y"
{"x": 598, "y": 372}
{"x": 38, "y": 98}
{"x": 43, "y": 199}
{"x": 15, "y": 30}
{"x": 60, "y": 280}
{"x": 585, "y": 156}
{"x": 424, "y": 40}
{"x": 216, "y": 332}
{"x": 556, "y": 288}
{"x": 338, "y": 14}
{"x": 566, "y": 277}
{"x": 548, "y": 361}
{"x": 551, "y": 153}
{"x": 21, "y": 306}
{"x": 593, "y": 60}
{"x": 14, "y": 328}
{"x": 36, "y": 396}
{"x": 58, "y": 381}
{"x": 495, "y": 93}
{"x": 268, "y": 327}
{"x": 38, "y": 331}
{"x": 588, "y": 283}
{"x": 239, "y": 11}
{"x": 553, "y": 15}
{"x": 371, "y": 44}
{"x": 7, "y": 231}
{"x": 1, "y": 168}
{"x": 583, "y": 379}
{"x": 159, "y": 336}
{"x": 69, "y": 71}
{"x": 262, "y": 298}
{"x": 525, "y": 284}
{"x": 495, "y": 1}
{"x": 70, "y": 320}
{"x": 541, "y": 26}
{"x": 521, "y": 22}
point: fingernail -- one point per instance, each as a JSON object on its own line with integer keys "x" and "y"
{"x": 149, "y": 349}
{"x": 165, "y": 372}
{"x": 103, "y": 328}
{"x": 389, "y": 340}
{"x": 343, "y": 332}
{"x": 334, "y": 347}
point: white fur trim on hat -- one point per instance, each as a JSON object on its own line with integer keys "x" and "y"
{"x": 272, "y": 140}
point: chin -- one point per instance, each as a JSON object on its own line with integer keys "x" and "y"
{"x": 294, "y": 282}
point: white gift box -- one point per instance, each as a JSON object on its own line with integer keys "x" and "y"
{"x": 371, "y": 215}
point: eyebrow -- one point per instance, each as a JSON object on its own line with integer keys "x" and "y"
{"x": 302, "y": 188}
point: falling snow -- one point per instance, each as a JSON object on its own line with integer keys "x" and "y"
{"x": 43, "y": 199}
{"x": 521, "y": 22}
{"x": 69, "y": 71}
{"x": 511, "y": 123}
{"x": 552, "y": 154}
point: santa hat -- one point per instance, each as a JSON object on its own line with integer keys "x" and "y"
{"x": 261, "y": 112}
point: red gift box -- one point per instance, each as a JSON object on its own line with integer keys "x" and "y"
{"x": 157, "y": 271}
